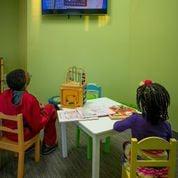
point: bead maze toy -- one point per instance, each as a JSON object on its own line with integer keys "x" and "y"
{"x": 73, "y": 91}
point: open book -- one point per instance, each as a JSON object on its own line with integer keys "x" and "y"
{"x": 77, "y": 114}
{"x": 121, "y": 112}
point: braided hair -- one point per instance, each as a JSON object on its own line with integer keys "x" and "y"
{"x": 153, "y": 100}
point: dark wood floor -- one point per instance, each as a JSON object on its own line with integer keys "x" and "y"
{"x": 75, "y": 166}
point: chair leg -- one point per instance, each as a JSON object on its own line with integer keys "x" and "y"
{"x": 78, "y": 136}
{"x": 20, "y": 173}
{"x": 107, "y": 145}
{"x": 89, "y": 148}
{"x": 37, "y": 150}
{"x": 123, "y": 172}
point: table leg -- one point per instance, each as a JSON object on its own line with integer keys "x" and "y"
{"x": 96, "y": 157}
{"x": 64, "y": 140}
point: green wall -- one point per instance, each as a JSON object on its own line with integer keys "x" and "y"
{"x": 153, "y": 46}
{"x": 23, "y": 34}
{"x": 11, "y": 36}
{"x": 138, "y": 42}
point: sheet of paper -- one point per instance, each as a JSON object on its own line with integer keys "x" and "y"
{"x": 101, "y": 107}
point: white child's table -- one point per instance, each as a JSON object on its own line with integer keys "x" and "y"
{"x": 97, "y": 129}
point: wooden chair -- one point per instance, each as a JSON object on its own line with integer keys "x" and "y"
{"x": 151, "y": 143}
{"x": 20, "y": 146}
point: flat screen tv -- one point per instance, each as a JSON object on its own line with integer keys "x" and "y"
{"x": 74, "y": 7}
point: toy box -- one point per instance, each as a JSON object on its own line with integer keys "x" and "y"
{"x": 73, "y": 91}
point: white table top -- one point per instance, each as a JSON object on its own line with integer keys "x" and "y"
{"x": 102, "y": 125}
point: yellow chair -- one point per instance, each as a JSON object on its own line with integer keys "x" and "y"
{"x": 151, "y": 143}
{"x": 20, "y": 146}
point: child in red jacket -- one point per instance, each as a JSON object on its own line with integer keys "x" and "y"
{"x": 17, "y": 100}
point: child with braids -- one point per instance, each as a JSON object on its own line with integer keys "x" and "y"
{"x": 153, "y": 101}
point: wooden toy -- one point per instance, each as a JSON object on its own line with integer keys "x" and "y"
{"x": 73, "y": 91}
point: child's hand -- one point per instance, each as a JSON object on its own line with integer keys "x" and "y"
{"x": 42, "y": 105}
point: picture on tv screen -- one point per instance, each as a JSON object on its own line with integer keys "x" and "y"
{"x": 74, "y": 7}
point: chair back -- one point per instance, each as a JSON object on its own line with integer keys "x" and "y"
{"x": 153, "y": 143}
{"x": 93, "y": 91}
{"x": 19, "y": 131}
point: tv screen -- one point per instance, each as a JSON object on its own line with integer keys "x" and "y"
{"x": 74, "y": 7}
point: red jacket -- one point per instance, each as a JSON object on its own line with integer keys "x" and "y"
{"x": 33, "y": 117}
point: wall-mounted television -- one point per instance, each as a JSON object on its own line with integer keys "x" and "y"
{"x": 74, "y": 7}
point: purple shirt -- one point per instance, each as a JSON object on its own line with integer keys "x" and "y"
{"x": 141, "y": 128}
